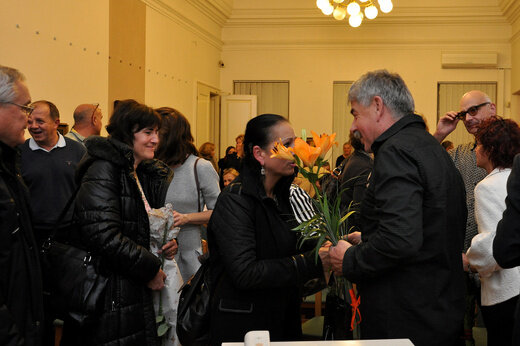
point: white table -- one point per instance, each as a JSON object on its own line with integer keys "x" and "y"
{"x": 387, "y": 342}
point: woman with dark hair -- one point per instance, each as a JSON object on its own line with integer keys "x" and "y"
{"x": 194, "y": 185}
{"x": 256, "y": 266}
{"x": 498, "y": 141}
{"x": 119, "y": 182}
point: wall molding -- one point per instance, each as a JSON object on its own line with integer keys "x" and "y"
{"x": 400, "y": 15}
{"x": 511, "y": 9}
{"x": 214, "y": 12}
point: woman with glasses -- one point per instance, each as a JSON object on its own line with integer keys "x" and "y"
{"x": 498, "y": 141}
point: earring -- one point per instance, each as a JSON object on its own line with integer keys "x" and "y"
{"x": 262, "y": 171}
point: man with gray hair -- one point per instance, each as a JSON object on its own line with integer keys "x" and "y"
{"x": 21, "y": 301}
{"x": 407, "y": 263}
{"x": 87, "y": 122}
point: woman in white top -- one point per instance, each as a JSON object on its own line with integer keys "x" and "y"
{"x": 188, "y": 192}
{"x": 498, "y": 141}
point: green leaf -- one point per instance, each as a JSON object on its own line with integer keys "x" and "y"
{"x": 162, "y": 329}
{"x": 159, "y": 319}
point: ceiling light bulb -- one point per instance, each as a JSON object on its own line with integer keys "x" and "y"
{"x": 353, "y": 8}
{"x": 371, "y": 12}
{"x": 386, "y": 6}
{"x": 363, "y": 0}
{"x": 355, "y": 20}
{"x": 327, "y": 10}
{"x": 339, "y": 13}
{"x": 338, "y": 1}
{"x": 322, "y": 3}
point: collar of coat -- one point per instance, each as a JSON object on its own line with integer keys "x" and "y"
{"x": 9, "y": 158}
{"x": 121, "y": 154}
{"x": 405, "y": 121}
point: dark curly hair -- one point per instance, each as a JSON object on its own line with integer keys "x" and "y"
{"x": 500, "y": 140}
{"x": 130, "y": 117}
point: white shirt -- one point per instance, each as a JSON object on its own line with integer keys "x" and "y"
{"x": 498, "y": 285}
{"x": 60, "y": 144}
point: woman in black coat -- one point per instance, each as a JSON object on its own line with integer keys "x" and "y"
{"x": 114, "y": 226}
{"x": 256, "y": 265}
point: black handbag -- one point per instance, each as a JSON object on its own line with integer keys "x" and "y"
{"x": 193, "y": 312}
{"x": 72, "y": 275}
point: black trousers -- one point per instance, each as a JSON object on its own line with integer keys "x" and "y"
{"x": 499, "y": 320}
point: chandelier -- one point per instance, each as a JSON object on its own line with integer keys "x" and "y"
{"x": 341, "y": 8}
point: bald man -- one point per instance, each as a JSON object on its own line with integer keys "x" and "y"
{"x": 87, "y": 122}
{"x": 475, "y": 107}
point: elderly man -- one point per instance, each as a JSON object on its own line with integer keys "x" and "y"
{"x": 408, "y": 265}
{"x": 87, "y": 122}
{"x": 475, "y": 106}
{"x": 21, "y": 304}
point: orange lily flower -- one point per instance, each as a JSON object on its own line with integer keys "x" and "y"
{"x": 305, "y": 152}
{"x": 324, "y": 142}
{"x": 280, "y": 151}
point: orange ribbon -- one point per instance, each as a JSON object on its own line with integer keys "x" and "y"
{"x": 355, "y": 308}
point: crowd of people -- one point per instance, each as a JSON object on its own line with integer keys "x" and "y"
{"x": 434, "y": 234}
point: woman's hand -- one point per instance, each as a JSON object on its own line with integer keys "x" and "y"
{"x": 180, "y": 219}
{"x": 169, "y": 249}
{"x": 157, "y": 283}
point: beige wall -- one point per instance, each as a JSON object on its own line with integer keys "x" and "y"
{"x": 127, "y": 42}
{"x": 177, "y": 56}
{"x": 138, "y": 51}
{"x": 314, "y": 51}
{"x": 515, "y": 74}
{"x": 62, "y": 48}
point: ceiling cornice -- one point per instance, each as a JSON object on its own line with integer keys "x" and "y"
{"x": 511, "y": 9}
{"x": 213, "y": 11}
{"x": 400, "y": 15}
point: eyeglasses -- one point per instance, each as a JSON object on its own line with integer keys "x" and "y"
{"x": 27, "y": 109}
{"x": 95, "y": 109}
{"x": 473, "y": 110}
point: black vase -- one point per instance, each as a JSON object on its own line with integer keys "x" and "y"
{"x": 337, "y": 317}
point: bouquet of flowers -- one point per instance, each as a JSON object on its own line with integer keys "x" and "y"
{"x": 329, "y": 223}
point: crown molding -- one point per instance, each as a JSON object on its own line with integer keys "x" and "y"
{"x": 356, "y": 43}
{"x": 214, "y": 12}
{"x": 511, "y": 9}
{"x": 400, "y": 15}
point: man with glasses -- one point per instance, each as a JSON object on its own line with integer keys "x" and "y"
{"x": 475, "y": 107}
{"x": 21, "y": 302}
{"x": 87, "y": 122}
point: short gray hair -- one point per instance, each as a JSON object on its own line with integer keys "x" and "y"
{"x": 389, "y": 86}
{"x": 8, "y": 77}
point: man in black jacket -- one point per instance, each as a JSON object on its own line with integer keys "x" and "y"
{"x": 21, "y": 307}
{"x": 408, "y": 265}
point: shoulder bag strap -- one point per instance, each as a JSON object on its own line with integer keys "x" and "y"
{"x": 197, "y": 182}
{"x": 63, "y": 213}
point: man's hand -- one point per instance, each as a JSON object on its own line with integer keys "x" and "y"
{"x": 447, "y": 124}
{"x": 169, "y": 249}
{"x": 354, "y": 238}
{"x": 157, "y": 283}
{"x": 336, "y": 254}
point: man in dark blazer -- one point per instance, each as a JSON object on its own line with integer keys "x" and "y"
{"x": 413, "y": 216}
{"x": 506, "y": 246}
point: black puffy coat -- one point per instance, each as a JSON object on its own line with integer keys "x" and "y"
{"x": 114, "y": 226}
{"x": 252, "y": 248}
{"x": 21, "y": 301}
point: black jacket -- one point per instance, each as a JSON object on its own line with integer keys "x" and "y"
{"x": 251, "y": 242}
{"x": 413, "y": 218}
{"x": 21, "y": 301}
{"x": 114, "y": 225}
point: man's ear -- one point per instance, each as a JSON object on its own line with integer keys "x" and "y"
{"x": 493, "y": 108}
{"x": 379, "y": 106}
{"x": 258, "y": 153}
